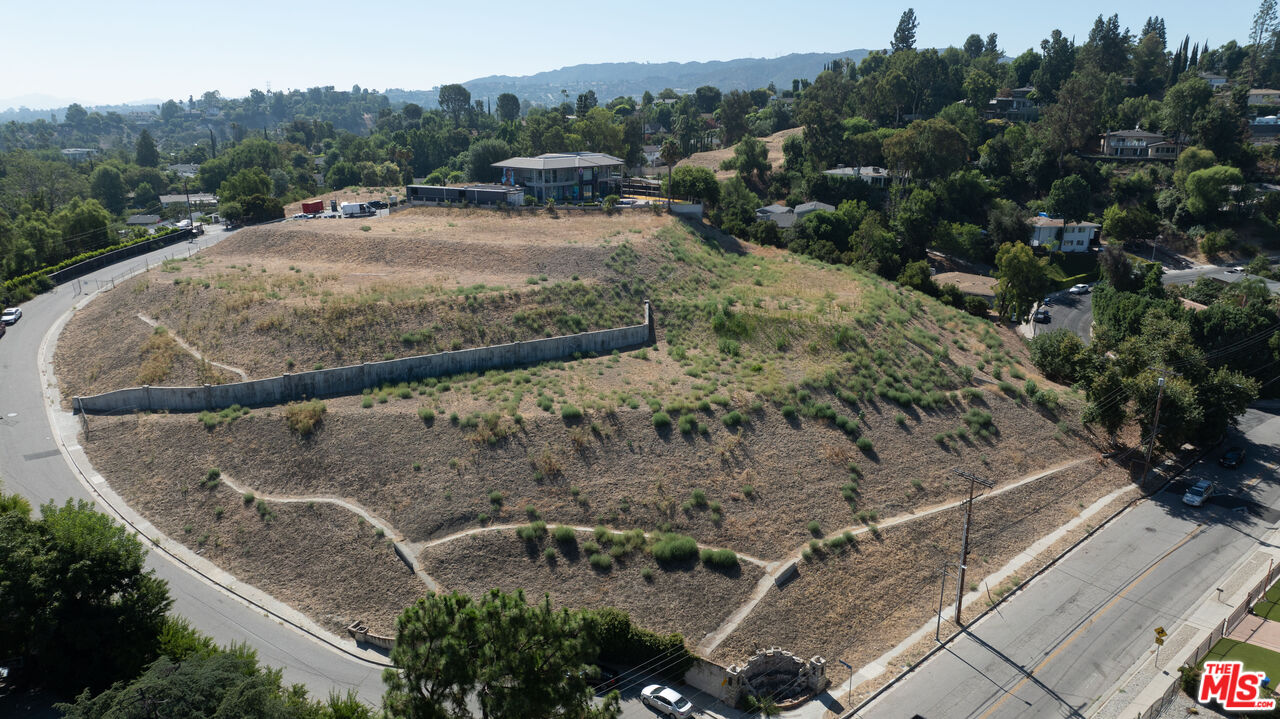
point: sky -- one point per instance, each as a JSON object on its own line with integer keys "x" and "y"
{"x": 112, "y": 53}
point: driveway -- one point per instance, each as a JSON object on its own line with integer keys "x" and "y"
{"x": 1072, "y": 312}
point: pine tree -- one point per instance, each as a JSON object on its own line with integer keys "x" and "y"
{"x": 904, "y": 38}
{"x": 1264, "y": 24}
{"x": 1195, "y": 56}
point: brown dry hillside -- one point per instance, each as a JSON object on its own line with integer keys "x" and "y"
{"x": 712, "y": 158}
{"x": 784, "y": 399}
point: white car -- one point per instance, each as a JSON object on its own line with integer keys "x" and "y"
{"x": 11, "y": 315}
{"x": 1079, "y": 289}
{"x": 666, "y": 701}
{"x": 1198, "y": 493}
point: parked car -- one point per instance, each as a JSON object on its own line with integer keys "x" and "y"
{"x": 11, "y": 315}
{"x": 666, "y": 701}
{"x": 1232, "y": 457}
{"x": 1047, "y": 301}
{"x": 1042, "y": 316}
{"x": 1198, "y": 493}
{"x": 605, "y": 681}
{"x": 377, "y": 204}
{"x": 1079, "y": 289}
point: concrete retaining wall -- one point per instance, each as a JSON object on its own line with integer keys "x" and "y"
{"x": 355, "y": 378}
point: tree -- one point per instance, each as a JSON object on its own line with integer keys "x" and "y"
{"x": 1007, "y": 223}
{"x": 514, "y": 659}
{"x": 261, "y": 208}
{"x": 455, "y": 100}
{"x": 1069, "y": 198}
{"x": 84, "y": 224}
{"x": 1021, "y": 280}
{"x": 75, "y": 598}
{"x": 904, "y": 37}
{"x": 751, "y": 160}
{"x": 694, "y": 182}
{"x": 707, "y": 98}
{"x": 670, "y": 154}
{"x": 737, "y": 207}
{"x": 1182, "y": 102}
{"x": 1107, "y": 397}
{"x": 1209, "y": 189}
{"x": 1107, "y": 48}
{"x": 146, "y": 198}
{"x": 979, "y": 88}
{"x": 250, "y": 181}
{"x": 106, "y": 185}
{"x": 973, "y": 46}
{"x": 915, "y": 221}
{"x": 482, "y": 155}
{"x": 1057, "y": 65}
{"x": 733, "y": 115}
{"x": 413, "y": 111}
{"x": 508, "y": 107}
{"x": 1131, "y": 223}
{"x": 1024, "y": 66}
{"x": 75, "y": 115}
{"x": 1061, "y": 355}
{"x": 586, "y": 101}
{"x": 1261, "y": 37}
{"x": 145, "y": 150}
{"x": 927, "y": 149}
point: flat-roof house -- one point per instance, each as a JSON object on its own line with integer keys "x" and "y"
{"x": 197, "y": 198}
{"x": 564, "y": 176}
{"x": 76, "y": 154}
{"x": 1139, "y": 144}
{"x": 1264, "y": 97}
{"x": 142, "y": 220}
{"x": 784, "y": 216}
{"x": 492, "y": 195}
{"x": 870, "y": 174}
{"x": 1215, "y": 81}
{"x": 1014, "y": 106}
{"x": 1057, "y": 234}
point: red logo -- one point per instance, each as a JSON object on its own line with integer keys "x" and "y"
{"x": 1231, "y": 686}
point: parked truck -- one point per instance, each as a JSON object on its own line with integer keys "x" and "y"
{"x": 313, "y": 207}
{"x": 357, "y": 209}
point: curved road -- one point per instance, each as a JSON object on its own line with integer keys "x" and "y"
{"x": 32, "y": 465}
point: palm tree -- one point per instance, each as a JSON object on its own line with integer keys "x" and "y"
{"x": 670, "y": 154}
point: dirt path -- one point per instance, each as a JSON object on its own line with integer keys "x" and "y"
{"x": 244, "y": 376}
{"x": 774, "y": 570}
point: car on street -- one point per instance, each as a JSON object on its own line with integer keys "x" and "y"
{"x": 11, "y": 315}
{"x": 1234, "y": 271}
{"x": 1079, "y": 289}
{"x": 1232, "y": 457}
{"x": 1047, "y": 301}
{"x": 666, "y": 701}
{"x": 1042, "y": 316}
{"x": 1199, "y": 492}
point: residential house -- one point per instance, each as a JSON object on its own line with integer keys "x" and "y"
{"x": 1215, "y": 81}
{"x": 198, "y": 199}
{"x": 785, "y": 217}
{"x": 142, "y": 220}
{"x": 652, "y": 154}
{"x": 564, "y": 176}
{"x": 491, "y": 195}
{"x": 1057, "y": 234}
{"x": 76, "y": 154}
{"x": 1259, "y": 97}
{"x": 186, "y": 169}
{"x": 1139, "y": 144}
{"x": 876, "y": 176}
{"x": 1016, "y": 106}
{"x": 140, "y": 117}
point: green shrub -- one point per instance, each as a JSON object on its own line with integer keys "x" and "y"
{"x": 426, "y": 414}
{"x": 247, "y": 497}
{"x": 748, "y": 491}
{"x": 647, "y": 574}
{"x": 603, "y": 562}
{"x": 661, "y": 419}
{"x": 565, "y": 535}
{"x": 495, "y": 498}
{"x": 687, "y": 424}
{"x": 719, "y": 558}
{"x": 864, "y": 444}
{"x": 304, "y": 416}
{"x": 532, "y": 531}
{"x": 549, "y": 554}
{"x": 733, "y": 419}
{"x": 788, "y": 411}
{"x": 366, "y": 402}
{"x": 699, "y": 497}
{"x": 589, "y": 547}
{"x": 814, "y": 528}
{"x": 671, "y": 547}
{"x": 569, "y": 412}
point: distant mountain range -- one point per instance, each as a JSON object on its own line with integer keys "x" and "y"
{"x": 613, "y": 79}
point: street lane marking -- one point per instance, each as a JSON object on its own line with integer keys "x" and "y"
{"x": 1074, "y": 635}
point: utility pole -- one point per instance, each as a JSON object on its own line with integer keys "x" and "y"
{"x": 1155, "y": 427}
{"x": 188, "y": 194}
{"x": 964, "y": 539}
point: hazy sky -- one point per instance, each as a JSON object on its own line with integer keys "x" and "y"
{"x": 104, "y": 52}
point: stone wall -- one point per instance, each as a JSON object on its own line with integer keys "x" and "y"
{"x": 770, "y": 667}
{"x": 354, "y": 379}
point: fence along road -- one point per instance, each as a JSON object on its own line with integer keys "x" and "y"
{"x": 32, "y": 465}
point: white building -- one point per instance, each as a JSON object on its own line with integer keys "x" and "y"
{"x": 1057, "y": 234}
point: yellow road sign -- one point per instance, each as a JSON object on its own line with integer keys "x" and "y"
{"x": 1160, "y": 632}
{"x": 1159, "y": 641}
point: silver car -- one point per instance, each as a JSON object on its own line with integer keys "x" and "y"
{"x": 666, "y": 701}
{"x": 11, "y": 315}
{"x": 1198, "y": 493}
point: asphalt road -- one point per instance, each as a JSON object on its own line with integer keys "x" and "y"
{"x": 1074, "y": 312}
{"x": 1055, "y": 649}
{"x": 31, "y": 465}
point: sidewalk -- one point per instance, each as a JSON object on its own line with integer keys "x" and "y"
{"x": 1148, "y": 681}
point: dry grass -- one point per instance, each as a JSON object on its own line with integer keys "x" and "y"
{"x": 712, "y": 158}
{"x": 350, "y": 194}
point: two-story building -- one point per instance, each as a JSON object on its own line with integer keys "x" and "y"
{"x": 876, "y": 176}
{"x": 1056, "y": 234}
{"x": 1015, "y": 105}
{"x": 564, "y": 176}
{"x": 1139, "y": 144}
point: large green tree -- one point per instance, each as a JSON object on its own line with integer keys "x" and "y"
{"x": 455, "y": 100}
{"x": 75, "y": 598}
{"x": 514, "y": 659}
{"x": 927, "y": 149}
{"x": 106, "y": 185}
{"x": 145, "y": 150}
{"x": 1020, "y": 280}
{"x": 1208, "y": 189}
{"x": 904, "y": 36}
{"x": 508, "y": 107}
{"x": 1069, "y": 198}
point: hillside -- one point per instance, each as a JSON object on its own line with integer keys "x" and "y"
{"x": 711, "y": 159}
{"x": 786, "y": 402}
{"x": 611, "y": 79}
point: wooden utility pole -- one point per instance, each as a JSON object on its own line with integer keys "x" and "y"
{"x": 964, "y": 538}
{"x": 1155, "y": 427}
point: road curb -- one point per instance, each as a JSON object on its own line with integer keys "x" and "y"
{"x": 854, "y": 713}
{"x": 59, "y": 419}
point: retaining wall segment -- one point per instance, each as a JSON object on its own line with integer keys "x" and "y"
{"x": 353, "y": 379}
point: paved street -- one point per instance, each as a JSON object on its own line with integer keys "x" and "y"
{"x": 1055, "y": 649}
{"x": 1074, "y": 312}
{"x": 31, "y": 465}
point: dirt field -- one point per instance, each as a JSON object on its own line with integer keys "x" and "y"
{"x": 350, "y": 194}
{"x": 712, "y": 158}
{"x": 687, "y": 598}
{"x": 785, "y": 398}
{"x": 970, "y": 284}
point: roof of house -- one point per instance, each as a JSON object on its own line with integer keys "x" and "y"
{"x": 868, "y": 170}
{"x": 807, "y": 207}
{"x": 561, "y": 160}
{"x": 1042, "y": 221}
{"x": 1136, "y": 134}
{"x": 1193, "y": 305}
{"x": 197, "y": 197}
{"x": 1263, "y": 91}
{"x": 774, "y": 209}
{"x": 1211, "y": 76}
{"x": 143, "y": 220}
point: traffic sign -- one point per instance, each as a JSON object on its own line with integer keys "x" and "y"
{"x": 1159, "y": 641}
{"x": 1160, "y": 632}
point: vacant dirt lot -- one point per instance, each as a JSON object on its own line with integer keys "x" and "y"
{"x": 712, "y": 158}
{"x": 350, "y": 194}
{"x": 687, "y": 598}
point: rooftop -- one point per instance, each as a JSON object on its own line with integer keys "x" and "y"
{"x": 1136, "y": 134}
{"x": 561, "y": 160}
{"x": 1042, "y": 221}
